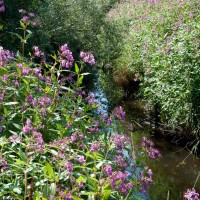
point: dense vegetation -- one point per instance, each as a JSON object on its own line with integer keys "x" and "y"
{"x": 161, "y": 52}
{"x": 54, "y": 144}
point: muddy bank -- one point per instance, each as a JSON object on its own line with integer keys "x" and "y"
{"x": 146, "y": 118}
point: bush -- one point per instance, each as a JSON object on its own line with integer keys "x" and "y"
{"x": 161, "y": 49}
{"x": 83, "y": 24}
{"x": 53, "y": 145}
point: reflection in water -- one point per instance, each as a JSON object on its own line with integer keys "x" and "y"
{"x": 176, "y": 171}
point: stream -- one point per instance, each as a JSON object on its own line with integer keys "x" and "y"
{"x": 176, "y": 171}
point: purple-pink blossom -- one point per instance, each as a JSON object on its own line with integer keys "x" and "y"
{"x": 119, "y": 141}
{"x": 5, "y": 56}
{"x": 28, "y": 127}
{"x": 81, "y": 159}
{"x": 2, "y": 7}
{"x": 120, "y": 114}
{"x": 31, "y": 14}
{"x": 108, "y": 170}
{"x": 191, "y": 194}
{"x": 14, "y": 139}
{"x": 94, "y": 147}
{"x": 22, "y": 11}
{"x": 145, "y": 180}
{"x": 149, "y": 146}
{"x": 25, "y": 19}
{"x": 39, "y": 142}
{"x": 69, "y": 167}
{"x": 66, "y": 56}
{"x": 119, "y": 180}
{"x": 4, "y": 163}
{"x": 87, "y": 57}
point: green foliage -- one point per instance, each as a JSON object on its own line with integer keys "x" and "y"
{"x": 81, "y": 23}
{"x": 52, "y": 143}
{"x": 161, "y": 48}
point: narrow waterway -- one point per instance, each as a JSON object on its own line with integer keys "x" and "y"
{"x": 176, "y": 171}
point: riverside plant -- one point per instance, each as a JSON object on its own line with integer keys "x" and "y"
{"x": 161, "y": 50}
{"x": 52, "y": 144}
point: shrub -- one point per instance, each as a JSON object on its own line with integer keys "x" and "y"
{"x": 53, "y": 145}
{"x": 161, "y": 48}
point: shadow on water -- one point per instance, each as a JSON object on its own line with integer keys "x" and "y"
{"x": 176, "y": 171}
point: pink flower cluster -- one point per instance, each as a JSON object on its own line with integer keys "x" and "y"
{"x": 29, "y": 18}
{"x": 76, "y": 136}
{"x": 120, "y": 114}
{"x": 38, "y": 142}
{"x": 191, "y": 194}
{"x": 94, "y": 147}
{"x": 3, "y": 163}
{"x": 91, "y": 99}
{"x": 149, "y": 146}
{"x": 66, "y": 56}
{"x": 145, "y": 180}
{"x": 153, "y": 1}
{"x": 69, "y": 167}
{"x": 2, "y": 7}
{"x": 28, "y": 127}
{"x": 119, "y": 141}
{"x": 15, "y": 139}
{"x": 39, "y": 54}
{"x": 5, "y": 56}
{"x": 87, "y": 57}
{"x": 118, "y": 182}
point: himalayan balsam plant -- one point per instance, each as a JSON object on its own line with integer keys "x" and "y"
{"x": 53, "y": 145}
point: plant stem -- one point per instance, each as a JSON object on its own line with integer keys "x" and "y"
{"x": 26, "y": 178}
{"x": 23, "y": 43}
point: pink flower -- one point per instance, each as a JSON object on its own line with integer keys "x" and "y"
{"x": 87, "y": 57}
{"x": 108, "y": 170}
{"x": 31, "y": 14}
{"x": 25, "y": 19}
{"x": 191, "y": 194}
{"x": 22, "y": 11}
{"x": 81, "y": 159}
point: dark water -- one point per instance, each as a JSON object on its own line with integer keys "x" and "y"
{"x": 176, "y": 171}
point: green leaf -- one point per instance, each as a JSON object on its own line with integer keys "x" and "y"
{"x": 99, "y": 164}
{"x": 3, "y": 68}
{"x": 47, "y": 89}
{"x": 10, "y": 103}
{"x": 76, "y": 198}
{"x": 5, "y": 111}
{"x": 93, "y": 182}
{"x": 22, "y": 155}
{"x": 81, "y": 179}
{"x": 88, "y": 193}
{"x": 17, "y": 190}
{"x": 106, "y": 194}
{"x": 22, "y": 24}
{"x": 48, "y": 170}
{"x": 80, "y": 80}
{"x": 84, "y": 74}
{"x": 37, "y": 196}
{"x": 76, "y": 68}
